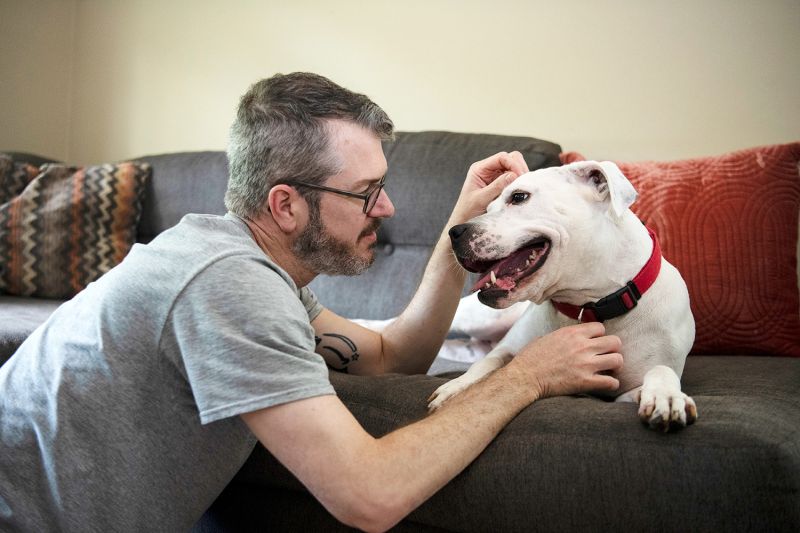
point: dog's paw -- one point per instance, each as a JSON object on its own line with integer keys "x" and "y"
{"x": 666, "y": 409}
{"x": 445, "y": 392}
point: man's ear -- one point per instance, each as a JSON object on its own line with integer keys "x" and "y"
{"x": 610, "y": 182}
{"x": 287, "y": 207}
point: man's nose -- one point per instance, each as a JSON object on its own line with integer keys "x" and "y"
{"x": 383, "y": 208}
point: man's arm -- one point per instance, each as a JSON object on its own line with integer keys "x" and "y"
{"x": 373, "y": 483}
{"x": 410, "y": 343}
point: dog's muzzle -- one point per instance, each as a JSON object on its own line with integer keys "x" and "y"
{"x": 502, "y": 274}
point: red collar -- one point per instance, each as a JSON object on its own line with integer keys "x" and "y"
{"x": 623, "y": 300}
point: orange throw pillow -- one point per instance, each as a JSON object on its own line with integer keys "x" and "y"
{"x": 730, "y": 225}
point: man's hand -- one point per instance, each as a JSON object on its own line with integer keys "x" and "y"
{"x": 410, "y": 343}
{"x": 571, "y": 360}
{"x": 485, "y": 180}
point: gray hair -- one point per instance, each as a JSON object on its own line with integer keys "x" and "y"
{"x": 281, "y": 133}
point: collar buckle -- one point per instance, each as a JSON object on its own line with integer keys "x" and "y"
{"x": 615, "y": 304}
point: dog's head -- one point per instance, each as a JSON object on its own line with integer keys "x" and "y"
{"x": 543, "y": 232}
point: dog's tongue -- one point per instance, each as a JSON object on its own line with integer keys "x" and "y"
{"x": 501, "y": 283}
{"x": 505, "y": 273}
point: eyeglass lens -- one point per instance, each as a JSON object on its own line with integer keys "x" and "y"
{"x": 372, "y": 199}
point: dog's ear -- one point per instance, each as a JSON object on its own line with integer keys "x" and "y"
{"x": 611, "y": 183}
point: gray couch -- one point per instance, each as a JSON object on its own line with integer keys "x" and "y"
{"x": 564, "y": 464}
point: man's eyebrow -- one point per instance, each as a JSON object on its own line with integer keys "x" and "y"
{"x": 368, "y": 181}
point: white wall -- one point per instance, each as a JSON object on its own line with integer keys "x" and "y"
{"x": 36, "y": 54}
{"x": 624, "y": 79}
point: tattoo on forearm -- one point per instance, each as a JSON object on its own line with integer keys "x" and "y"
{"x": 342, "y": 347}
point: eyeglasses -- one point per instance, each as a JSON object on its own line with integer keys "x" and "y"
{"x": 370, "y": 197}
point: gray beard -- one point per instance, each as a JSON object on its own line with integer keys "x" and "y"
{"x": 323, "y": 253}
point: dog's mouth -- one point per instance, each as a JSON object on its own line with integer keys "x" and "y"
{"x": 504, "y": 274}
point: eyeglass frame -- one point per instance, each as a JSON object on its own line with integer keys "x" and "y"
{"x": 361, "y": 196}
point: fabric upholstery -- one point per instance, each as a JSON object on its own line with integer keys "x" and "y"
{"x": 14, "y": 177}
{"x": 186, "y": 182}
{"x": 426, "y": 171}
{"x": 564, "y": 464}
{"x": 583, "y": 464}
{"x": 67, "y": 226}
{"x": 19, "y": 316}
{"x": 730, "y": 225}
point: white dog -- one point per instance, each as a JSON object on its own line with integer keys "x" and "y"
{"x": 564, "y": 239}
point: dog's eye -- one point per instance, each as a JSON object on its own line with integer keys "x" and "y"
{"x": 518, "y": 197}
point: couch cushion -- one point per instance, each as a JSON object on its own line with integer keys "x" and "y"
{"x": 582, "y": 464}
{"x": 182, "y": 183}
{"x": 730, "y": 224}
{"x": 67, "y": 226}
{"x": 426, "y": 172}
{"x": 19, "y": 316}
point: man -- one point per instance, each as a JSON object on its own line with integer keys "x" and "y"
{"x": 138, "y": 401}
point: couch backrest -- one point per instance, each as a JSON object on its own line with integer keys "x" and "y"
{"x": 426, "y": 171}
{"x": 183, "y": 182}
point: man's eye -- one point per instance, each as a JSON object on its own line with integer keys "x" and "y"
{"x": 371, "y": 188}
{"x": 519, "y": 198}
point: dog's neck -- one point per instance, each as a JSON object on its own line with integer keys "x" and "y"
{"x": 621, "y": 301}
{"x": 606, "y": 265}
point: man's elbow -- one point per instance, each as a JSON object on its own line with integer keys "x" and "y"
{"x": 378, "y": 511}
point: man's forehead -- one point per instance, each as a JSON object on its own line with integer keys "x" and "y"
{"x": 360, "y": 152}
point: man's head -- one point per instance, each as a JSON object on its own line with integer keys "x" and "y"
{"x": 303, "y": 128}
{"x": 282, "y": 133}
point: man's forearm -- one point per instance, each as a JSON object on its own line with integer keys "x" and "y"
{"x": 373, "y": 483}
{"x": 404, "y": 468}
{"x": 412, "y": 341}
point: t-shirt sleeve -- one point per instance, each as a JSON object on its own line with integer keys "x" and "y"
{"x": 244, "y": 337}
{"x": 312, "y": 305}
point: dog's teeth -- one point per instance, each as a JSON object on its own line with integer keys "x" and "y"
{"x": 492, "y": 276}
{"x": 487, "y": 285}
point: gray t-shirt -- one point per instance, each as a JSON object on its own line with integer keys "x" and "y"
{"x": 119, "y": 413}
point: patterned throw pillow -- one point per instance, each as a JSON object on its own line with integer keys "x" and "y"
{"x": 14, "y": 177}
{"x": 63, "y": 227}
{"x": 730, "y": 225}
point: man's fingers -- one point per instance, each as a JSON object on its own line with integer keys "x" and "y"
{"x": 606, "y": 344}
{"x": 489, "y": 169}
{"x": 608, "y": 361}
{"x": 517, "y": 163}
{"x": 590, "y": 329}
{"x": 604, "y": 383}
{"x": 494, "y": 189}
{"x": 513, "y": 162}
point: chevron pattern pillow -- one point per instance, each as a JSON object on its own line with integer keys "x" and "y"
{"x": 63, "y": 227}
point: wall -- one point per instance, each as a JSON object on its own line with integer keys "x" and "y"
{"x": 37, "y": 50}
{"x": 625, "y": 79}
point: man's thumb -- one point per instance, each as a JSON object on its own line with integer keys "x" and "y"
{"x": 493, "y": 190}
{"x": 500, "y": 183}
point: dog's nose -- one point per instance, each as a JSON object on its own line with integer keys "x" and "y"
{"x": 457, "y": 231}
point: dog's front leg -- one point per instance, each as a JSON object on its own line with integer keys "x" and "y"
{"x": 662, "y": 403}
{"x": 537, "y": 320}
{"x": 495, "y": 359}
